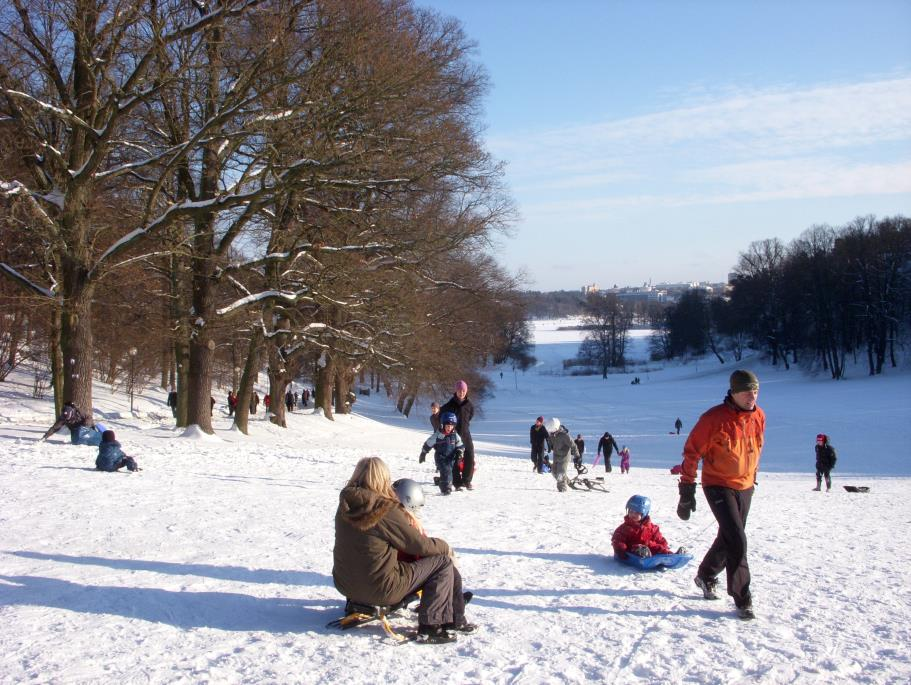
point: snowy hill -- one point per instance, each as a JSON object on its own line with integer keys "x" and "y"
{"x": 213, "y": 564}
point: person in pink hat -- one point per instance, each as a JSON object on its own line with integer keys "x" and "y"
{"x": 461, "y": 406}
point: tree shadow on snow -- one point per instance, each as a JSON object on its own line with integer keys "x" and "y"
{"x": 235, "y": 573}
{"x": 218, "y": 610}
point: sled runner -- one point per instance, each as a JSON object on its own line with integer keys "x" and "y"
{"x": 857, "y": 488}
{"x": 657, "y": 561}
{"x": 357, "y": 614}
{"x": 580, "y": 483}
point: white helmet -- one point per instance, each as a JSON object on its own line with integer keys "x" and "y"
{"x": 410, "y": 494}
{"x": 552, "y": 425}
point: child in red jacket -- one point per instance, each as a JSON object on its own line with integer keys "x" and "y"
{"x": 637, "y": 534}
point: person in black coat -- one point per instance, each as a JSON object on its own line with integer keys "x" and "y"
{"x": 540, "y": 444}
{"x": 172, "y": 401}
{"x": 461, "y": 406}
{"x": 605, "y": 445}
{"x": 825, "y": 461}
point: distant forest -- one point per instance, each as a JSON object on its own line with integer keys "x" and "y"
{"x": 555, "y": 304}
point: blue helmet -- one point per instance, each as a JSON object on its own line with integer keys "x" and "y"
{"x": 448, "y": 417}
{"x": 639, "y": 504}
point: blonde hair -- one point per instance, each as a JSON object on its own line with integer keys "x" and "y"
{"x": 371, "y": 473}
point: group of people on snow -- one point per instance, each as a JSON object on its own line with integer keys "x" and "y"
{"x": 453, "y": 448}
{"x": 382, "y": 554}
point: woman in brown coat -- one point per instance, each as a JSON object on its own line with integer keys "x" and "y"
{"x": 371, "y": 528}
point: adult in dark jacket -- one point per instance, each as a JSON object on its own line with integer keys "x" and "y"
{"x": 825, "y": 461}
{"x": 607, "y": 445}
{"x": 172, "y": 401}
{"x": 371, "y": 528}
{"x": 81, "y": 430}
{"x": 540, "y": 444}
{"x": 461, "y": 406}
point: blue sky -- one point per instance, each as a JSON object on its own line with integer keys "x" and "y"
{"x": 656, "y": 140}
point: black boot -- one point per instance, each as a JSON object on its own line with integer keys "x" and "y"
{"x": 434, "y": 635}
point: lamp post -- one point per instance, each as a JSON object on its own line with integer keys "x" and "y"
{"x": 132, "y": 375}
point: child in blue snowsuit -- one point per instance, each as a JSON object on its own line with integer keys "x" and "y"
{"x": 447, "y": 450}
{"x": 111, "y": 457}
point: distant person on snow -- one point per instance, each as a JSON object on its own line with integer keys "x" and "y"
{"x": 461, "y": 406}
{"x": 81, "y": 430}
{"x": 447, "y": 451}
{"x": 254, "y": 402}
{"x": 540, "y": 444}
{"x": 435, "y": 416}
{"x": 111, "y": 456}
{"x": 825, "y": 461}
{"x": 678, "y": 424}
{"x": 728, "y": 439}
{"x": 563, "y": 446}
{"x": 371, "y": 528}
{"x": 624, "y": 460}
{"x": 637, "y": 534}
{"x": 580, "y": 446}
{"x": 607, "y": 445}
{"x": 172, "y": 401}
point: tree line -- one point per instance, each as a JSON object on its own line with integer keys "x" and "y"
{"x": 195, "y": 192}
{"x": 832, "y": 295}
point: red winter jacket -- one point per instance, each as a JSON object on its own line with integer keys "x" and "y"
{"x": 631, "y": 534}
{"x": 729, "y": 441}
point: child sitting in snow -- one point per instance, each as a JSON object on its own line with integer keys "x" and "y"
{"x": 411, "y": 495}
{"x": 447, "y": 450}
{"x": 637, "y": 534}
{"x": 111, "y": 457}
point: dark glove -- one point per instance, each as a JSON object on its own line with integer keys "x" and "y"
{"x": 422, "y": 458}
{"x": 642, "y": 551}
{"x": 687, "y": 501}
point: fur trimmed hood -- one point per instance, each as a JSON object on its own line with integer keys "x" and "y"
{"x": 363, "y": 508}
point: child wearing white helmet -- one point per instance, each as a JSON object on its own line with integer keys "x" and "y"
{"x": 563, "y": 446}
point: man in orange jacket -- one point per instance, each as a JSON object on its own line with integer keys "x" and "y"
{"x": 728, "y": 439}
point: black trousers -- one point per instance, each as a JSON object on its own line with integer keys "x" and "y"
{"x": 823, "y": 473}
{"x": 464, "y": 477}
{"x": 537, "y": 456}
{"x": 729, "y": 550}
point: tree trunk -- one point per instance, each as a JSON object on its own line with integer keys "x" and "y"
{"x": 76, "y": 342}
{"x": 247, "y": 381}
{"x": 322, "y": 393}
{"x": 56, "y": 354}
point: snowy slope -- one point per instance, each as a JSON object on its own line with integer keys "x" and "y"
{"x": 213, "y": 565}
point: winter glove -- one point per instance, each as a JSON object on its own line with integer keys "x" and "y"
{"x": 642, "y": 551}
{"x": 422, "y": 458}
{"x": 682, "y": 550}
{"x": 687, "y": 501}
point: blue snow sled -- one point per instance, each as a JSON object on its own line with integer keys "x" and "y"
{"x": 657, "y": 561}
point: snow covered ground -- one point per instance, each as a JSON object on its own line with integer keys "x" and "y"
{"x": 213, "y": 565}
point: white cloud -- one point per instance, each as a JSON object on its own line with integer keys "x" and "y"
{"x": 727, "y": 135}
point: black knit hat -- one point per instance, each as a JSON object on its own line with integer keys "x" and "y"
{"x": 743, "y": 380}
{"x": 108, "y": 436}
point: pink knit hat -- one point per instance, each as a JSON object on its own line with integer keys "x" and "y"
{"x": 461, "y": 385}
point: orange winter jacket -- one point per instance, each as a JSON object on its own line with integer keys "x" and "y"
{"x": 729, "y": 442}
